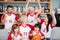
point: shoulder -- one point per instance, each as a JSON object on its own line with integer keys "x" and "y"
{"x": 27, "y": 14}
{"x": 19, "y": 24}
{"x": 51, "y": 25}
{"x": 31, "y": 26}
{"x": 41, "y": 21}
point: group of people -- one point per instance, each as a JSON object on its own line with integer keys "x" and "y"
{"x": 31, "y": 27}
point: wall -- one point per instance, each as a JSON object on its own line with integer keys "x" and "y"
{"x": 55, "y": 4}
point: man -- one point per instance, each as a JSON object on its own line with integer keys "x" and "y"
{"x": 9, "y": 18}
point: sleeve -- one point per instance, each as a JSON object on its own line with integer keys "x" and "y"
{"x": 27, "y": 14}
{"x": 20, "y": 34}
{"x": 36, "y": 12}
{"x": 16, "y": 17}
{"x": 30, "y": 35}
{"x": 19, "y": 24}
{"x": 2, "y": 17}
{"x": 41, "y": 21}
{"x": 32, "y": 27}
{"x": 42, "y": 34}
{"x": 9, "y": 37}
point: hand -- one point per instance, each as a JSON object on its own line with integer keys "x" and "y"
{"x": 5, "y": 15}
{"x": 38, "y": 1}
{"x": 28, "y": 1}
{"x": 53, "y": 12}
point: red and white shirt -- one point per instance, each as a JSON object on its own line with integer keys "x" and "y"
{"x": 12, "y": 36}
{"x": 9, "y": 20}
{"x": 25, "y": 31}
{"x": 31, "y": 19}
{"x": 43, "y": 28}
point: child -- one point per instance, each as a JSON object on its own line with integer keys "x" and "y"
{"x": 36, "y": 34}
{"x": 15, "y": 34}
{"x": 24, "y": 27}
{"x": 30, "y": 12}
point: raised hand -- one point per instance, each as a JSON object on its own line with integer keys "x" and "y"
{"x": 39, "y": 6}
{"x": 52, "y": 12}
{"x": 38, "y": 1}
{"x": 54, "y": 18}
{"x": 28, "y": 1}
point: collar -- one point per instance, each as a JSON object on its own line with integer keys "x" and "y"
{"x": 24, "y": 26}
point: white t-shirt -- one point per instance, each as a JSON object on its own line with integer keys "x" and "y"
{"x": 9, "y": 20}
{"x": 18, "y": 37}
{"x": 25, "y": 32}
{"x": 32, "y": 20}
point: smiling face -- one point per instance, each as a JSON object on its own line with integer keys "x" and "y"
{"x": 9, "y": 10}
{"x": 36, "y": 28}
{"x": 45, "y": 18}
{"x": 16, "y": 30}
{"x": 31, "y": 10}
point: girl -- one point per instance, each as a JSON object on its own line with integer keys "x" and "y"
{"x": 24, "y": 27}
{"x": 47, "y": 24}
{"x": 36, "y": 34}
{"x": 15, "y": 34}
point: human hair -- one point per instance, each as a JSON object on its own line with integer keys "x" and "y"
{"x": 22, "y": 18}
{"x": 9, "y": 6}
{"x": 38, "y": 25}
{"x": 49, "y": 17}
{"x": 14, "y": 27}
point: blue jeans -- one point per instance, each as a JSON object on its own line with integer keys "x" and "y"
{"x": 47, "y": 38}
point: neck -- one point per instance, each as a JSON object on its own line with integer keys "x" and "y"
{"x": 9, "y": 13}
{"x": 24, "y": 24}
{"x": 16, "y": 33}
{"x": 36, "y": 31}
{"x": 46, "y": 23}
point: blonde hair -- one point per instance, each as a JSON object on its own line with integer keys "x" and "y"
{"x": 22, "y": 18}
{"x": 14, "y": 27}
{"x": 30, "y": 8}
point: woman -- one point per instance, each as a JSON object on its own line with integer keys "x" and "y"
{"x": 47, "y": 24}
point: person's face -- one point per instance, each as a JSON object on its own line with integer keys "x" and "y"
{"x": 9, "y": 9}
{"x": 16, "y": 30}
{"x": 45, "y": 18}
{"x": 36, "y": 29}
{"x": 32, "y": 11}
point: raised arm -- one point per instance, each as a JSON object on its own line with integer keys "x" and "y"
{"x": 27, "y": 6}
{"x": 37, "y": 18}
{"x": 39, "y": 6}
{"x": 54, "y": 18}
